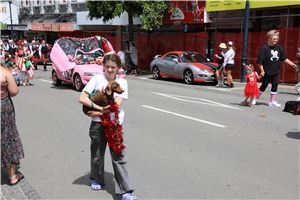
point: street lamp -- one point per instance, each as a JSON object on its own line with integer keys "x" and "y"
{"x": 11, "y": 25}
{"x": 244, "y": 55}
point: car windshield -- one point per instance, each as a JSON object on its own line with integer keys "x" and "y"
{"x": 70, "y": 46}
{"x": 192, "y": 57}
{"x": 83, "y": 58}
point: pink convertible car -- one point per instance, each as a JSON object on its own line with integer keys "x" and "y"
{"x": 76, "y": 60}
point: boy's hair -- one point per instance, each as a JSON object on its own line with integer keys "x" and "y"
{"x": 121, "y": 49}
{"x": 113, "y": 58}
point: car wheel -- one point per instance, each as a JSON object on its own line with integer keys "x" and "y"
{"x": 55, "y": 80}
{"x": 156, "y": 73}
{"x": 18, "y": 82}
{"x": 188, "y": 77}
{"x": 78, "y": 83}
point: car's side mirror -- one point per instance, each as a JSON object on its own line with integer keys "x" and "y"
{"x": 208, "y": 59}
{"x": 175, "y": 60}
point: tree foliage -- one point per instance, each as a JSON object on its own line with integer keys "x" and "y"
{"x": 150, "y": 13}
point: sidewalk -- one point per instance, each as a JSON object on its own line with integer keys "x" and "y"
{"x": 146, "y": 72}
{"x": 23, "y": 190}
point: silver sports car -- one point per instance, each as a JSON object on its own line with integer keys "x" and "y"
{"x": 190, "y": 66}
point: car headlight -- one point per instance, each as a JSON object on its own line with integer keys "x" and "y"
{"x": 90, "y": 73}
{"x": 205, "y": 70}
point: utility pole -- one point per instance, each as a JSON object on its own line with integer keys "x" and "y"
{"x": 11, "y": 25}
{"x": 244, "y": 56}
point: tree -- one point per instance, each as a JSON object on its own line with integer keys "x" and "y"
{"x": 151, "y": 13}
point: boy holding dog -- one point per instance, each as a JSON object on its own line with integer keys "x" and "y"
{"x": 112, "y": 64}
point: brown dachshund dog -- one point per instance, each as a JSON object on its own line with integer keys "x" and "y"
{"x": 102, "y": 98}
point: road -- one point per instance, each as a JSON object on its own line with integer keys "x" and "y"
{"x": 182, "y": 142}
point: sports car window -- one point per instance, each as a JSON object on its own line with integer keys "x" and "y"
{"x": 172, "y": 56}
{"x": 192, "y": 57}
{"x": 68, "y": 46}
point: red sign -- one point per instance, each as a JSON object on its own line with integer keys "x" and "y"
{"x": 180, "y": 17}
{"x": 58, "y": 27}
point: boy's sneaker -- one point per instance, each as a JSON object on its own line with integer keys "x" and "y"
{"x": 219, "y": 85}
{"x": 24, "y": 84}
{"x": 274, "y": 104}
{"x": 128, "y": 196}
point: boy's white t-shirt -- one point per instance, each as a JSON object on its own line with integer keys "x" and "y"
{"x": 229, "y": 57}
{"x": 98, "y": 82}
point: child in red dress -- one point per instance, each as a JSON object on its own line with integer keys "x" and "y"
{"x": 251, "y": 89}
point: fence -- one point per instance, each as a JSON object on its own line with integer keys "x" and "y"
{"x": 289, "y": 40}
{"x": 150, "y": 45}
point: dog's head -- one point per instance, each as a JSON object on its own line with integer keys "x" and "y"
{"x": 112, "y": 87}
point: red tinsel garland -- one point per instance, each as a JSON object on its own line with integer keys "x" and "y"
{"x": 113, "y": 130}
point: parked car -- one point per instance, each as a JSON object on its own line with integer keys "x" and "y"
{"x": 73, "y": 64}
{"x": 190, "y": 66}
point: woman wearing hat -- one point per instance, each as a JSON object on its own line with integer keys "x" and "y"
{"x": 229, "y": 63}
{"x": 219, "y": 71}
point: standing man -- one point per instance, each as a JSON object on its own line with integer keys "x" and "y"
{"x": 11, "y": 49}
{"x": 35, "y": 58}
{"x": 43, "y": 54}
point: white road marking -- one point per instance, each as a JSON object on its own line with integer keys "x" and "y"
{"x": 143, "y": 78}
{"x": 225, "y": 89}
{"x": 184, "y": 116}
{"x": 206, "y": 102}
{"x": 46, "y": 81}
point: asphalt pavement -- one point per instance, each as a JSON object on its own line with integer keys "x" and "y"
{"x": 182, "y": 142}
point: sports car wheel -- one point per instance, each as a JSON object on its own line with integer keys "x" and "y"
{"x": 55, "y": 80}
{"x": 188, "y": 77}
{"x": 155, "y": 73}
{"x": 78, "y": 83}
{"x": 18, "y": 82}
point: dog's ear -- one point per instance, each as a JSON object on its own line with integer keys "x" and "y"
{"x": 108, "y": 89}
{"x": 117, "y": 88}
